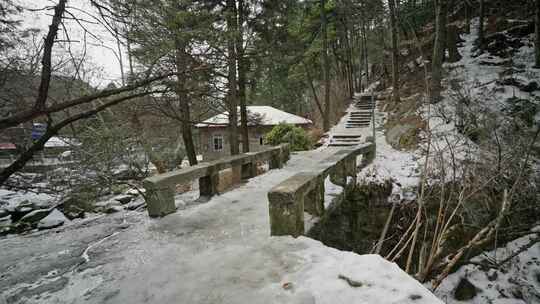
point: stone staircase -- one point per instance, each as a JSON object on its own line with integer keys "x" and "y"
{"x": 356, "y": 122}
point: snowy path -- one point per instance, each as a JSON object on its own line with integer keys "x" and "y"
{"x": 217, "y": 252}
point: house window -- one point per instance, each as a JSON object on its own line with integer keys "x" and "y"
{"x": 218, "y": 142}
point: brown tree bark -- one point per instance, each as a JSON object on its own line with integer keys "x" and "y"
{"x": 395, "y": 52}
{"x": 232, "y": 95}
{"x": 242, "y": 67}
{"x": 452, "y": 38}
{"x": 438, "y": 50}
{"x": 365, "y": 46}
{"x": 537, "y": 34}
{"x": 480, "y": 41}
{"x": 326, "y": 67}
{"x": 183, "y": 100}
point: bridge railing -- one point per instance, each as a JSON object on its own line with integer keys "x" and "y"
{"x": 160, "y": 189}
{"x": 304, "y": 192}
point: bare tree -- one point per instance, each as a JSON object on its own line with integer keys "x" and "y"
{"x": 438, "y": 50}
{"x": 395, "y": 51}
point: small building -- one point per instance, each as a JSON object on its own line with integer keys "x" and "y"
{"x": 214, "y": 136}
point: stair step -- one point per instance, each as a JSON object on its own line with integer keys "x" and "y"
{"x": 341, "y": 145}
{"x": 347, "y": 136}
{"x": 346, "y": 140}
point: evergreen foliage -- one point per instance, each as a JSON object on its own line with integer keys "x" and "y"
{"x": 287, "y": 133}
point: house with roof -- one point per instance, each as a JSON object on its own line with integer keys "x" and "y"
{"x": 214, "y": 136}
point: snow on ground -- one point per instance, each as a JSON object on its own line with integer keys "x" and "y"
{"x": 507, "y": 278}
{"x": 11, "y": 199}
{"x": 402, "y": 167}
{"x": 477, "y": 78}
{"x": 331, "y": 191}
{"x": 216, "y": 252}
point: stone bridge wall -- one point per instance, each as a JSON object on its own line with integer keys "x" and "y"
{"x": 304, "y": 192}
{"x": 160, "y": 189}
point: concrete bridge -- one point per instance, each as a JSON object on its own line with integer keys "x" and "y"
{"x": 221, "y": 251}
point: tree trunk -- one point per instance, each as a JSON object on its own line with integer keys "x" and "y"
{"x": 438, "y": 50}
{"x": 452, "y": 38}
{"x": 366, "y": 59}
{"x": 242, "y": 78}
{"x": 480, "y": 41}
{"x": 467, "y": 17}
{"x": 326, "y": 68}
{"x": 537, "y": 34}
{"x": 395, "y": 52}
{"x": 181, "y": 92}
{"x": 232, "y": 95}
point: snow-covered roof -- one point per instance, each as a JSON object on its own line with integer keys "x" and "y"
{"x": 56, "y": 141}
{"x": 257, "y": 115}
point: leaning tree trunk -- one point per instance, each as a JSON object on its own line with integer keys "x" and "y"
{"x": 395, "y": 54}
{"x": 537, "y": 34}
{"x": 438, "y": 51}
{"x": 232, "y": 95}
{"x": 326, "y": 68}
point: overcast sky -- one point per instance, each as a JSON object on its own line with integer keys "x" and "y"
{"x": 99, "y": 49}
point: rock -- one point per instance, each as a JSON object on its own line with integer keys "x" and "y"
{"x": 3, "y": 212}
{"x": 35, "y": 216}
{"x": 103, "y": 206}
{"x": 20, "y": 210}
{"x": 136, "y": 204}
{"x": 408, "y": 197}
{"x": 401, "y": 136}
{"x": 492, "y": 275}
{"x": 123, "y": 199}
{"x": 5, "y": 221}
{"x": 522, "y": 30}
{"x": 465, "y": 290}
{"x": 530, "y": 87}
{"x": 135, "y": 192}
{"x": 5, "y": 230}
{"x": 113, "y": 209}
{"x": 13, "y": 207}
{"x": 53, "y": 220}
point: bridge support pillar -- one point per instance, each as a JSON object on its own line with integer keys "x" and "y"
{"x": 286, "y": 214}
{"x": 208, "y": 185}
{"x": 314, "y": 200}
{"x": 160, "y": 201}
{"x": 275, "y": 162}
{"x": 249, "y": 170}
{"x": 338, "y": 176}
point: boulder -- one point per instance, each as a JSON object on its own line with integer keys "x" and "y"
{"x": 136, "y": 204}
{"x": 20, "y": 209}
{"x": 123, "y": 199}
{"x": 53, "y": 220}
{"x": 113, "y": 209}
{"x": 35, "y": 216}
{"x": 135, "y": 192}
{"x": 402, "y": 136}
{"x": 465, "y": 290}
{"x": 74, "y": 207}
{"x": 3, "y": 212}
